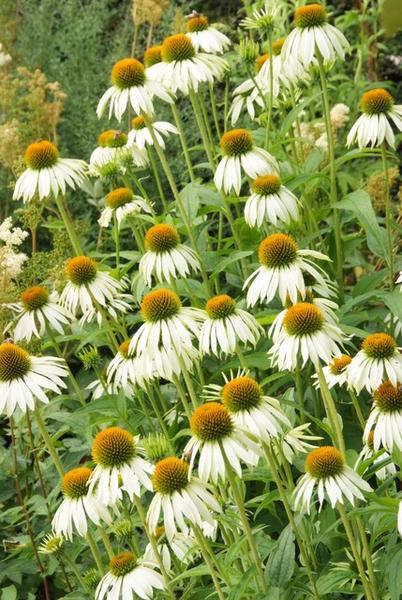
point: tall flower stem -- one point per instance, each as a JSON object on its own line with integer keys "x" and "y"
{"x": 300, "y": 542}
{"x": 300, "y": 394}
{"x": 117, "y": 244}
{"x": 355, "y": 551}
{"x": 367, "y": 555}
{"x": 106, "y": 542}
{"x": 26, "y": 513}
{"x": 331, "y": 410}
{"x": 142, "y": 191}
{"x": 182, "y": 137}
{"x": 241, "y": 357}
{"x": 201, "y": 126}
{"x": 388, "y": 215}
{"x": 48, "y": 442}
{"x": 154, "y": 546}
{"x": 95, "y": 553}
{"x": 208, "y": 561}
{"x": 189, "y": 383}
{"x": 180, "y": 206}
{"x": 137, "y": 234}
{"x": 157, "y": 178}
{"x": 271, "y": 89}
{"x": 75, "y": 242}
{"x": 59, "y": 353}
{"x": 162, "y": 424}
{"x": 76, "y": 572}
{"x": 243, "y": 517}
{"x": 182, "y": 396}
{"x": 358, "y": 410}
{"x": 214, "y": 109}
{"x": 332, "y": 172}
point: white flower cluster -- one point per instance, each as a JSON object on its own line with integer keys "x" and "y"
{"x": 11, "y": 261}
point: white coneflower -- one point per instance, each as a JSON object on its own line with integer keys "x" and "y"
{"x": 385, "y": 419}
{"x": 152, "y": 56}
{"x": 204, "y": 37}
{"x": 373, "y": 127}
{"x": 213, "y": 428}
{"x": 87, "y": 286}
{"x": 141, "y": 135}
{"x": 181, "y": 498}
{"x": 182, "y": 68}
{"x": 126, "y": 371}
{"x": 313, "y": 36}
{"x": 378, "y": 359}
{"x": 303, "y": 332}
{"x": 120, "y": 203}
{"x": 25, "y": 378}
{"x": 252, "y": 411}
{"x": 112, "y": 151}
{"x": 381, "y": 460}
{"x": 167, "y": 334}
{"x": 270, "y": 202}
{"x": 264, "y": 19}
{"x": 37, "y": 310}
{"x": 240, "y": 153}
{"x": 127, "y": 576}
{"x": 282, "y": 270}
{"x": 245, "y": 95}
{"x": 183, "y": 546}
{"x": 225, "y": 325}
{"x": 327, "y": 471}
{"x": 131, "y": 87}
{"x": 50, "y": 544}
{"x": 336, "y": 373}
{"x": 119, "y": 466}
{"x": 297, "y": 441}
{"x": 78, "y": 505}
{"x": 166, "y": 258}
{"x": 47, "y": 173}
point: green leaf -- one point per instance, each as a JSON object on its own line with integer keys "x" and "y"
{"x": 359, "y": 203}
{"x": 9, "y": 593}
{"x": 394, "y": 302}
{"x": 281, "y": 563}
{"x": 228, "y": 260}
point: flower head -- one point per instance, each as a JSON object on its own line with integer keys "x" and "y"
{"x": 270, "y": 202}
{"x": 127, "y": 576}
{"x": 47, "y": 174}
{"x": 204, "y": 37}
{"x": 120, "y": 203}
{"x": 373, "y": 127}
{"x": 385, "y": 420}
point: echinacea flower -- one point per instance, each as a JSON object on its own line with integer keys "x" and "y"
{"x": 303, "y": 332}
{"x": 152, "y": 56}
{"x": 204, "y": 37}
{"x": 313, "y": 36}
{"x": 50, "y": 544}
{"x": 113, "y": 151}
{"x": 78, "y": 505}
{"x": 141, "y": 135}
{"x": 131, "y": 86}
{"x": 88, "y": 287}
{"x": 214, "y": 435}
{"x": 378, "y": 359}
{"x": 166, "y": 258}
{"x": 336, "y": 373}
{"x": 181, "y": 498}
{"x": 47, "y": 173}
{"x": 126, "y": 371}
{"x": 226, "y": 325}
{"x": 25, "y": 378}
{"x": 121, "y": 203}
{"x": 327, "y": 472}
{"x": 129, "y": 576}
{"x": 251, "y": 410}
{"x": 385, "y": 419}
{"x": 119, "y": 466}
{"x": 381, "y": 460}
{"x": 36, "y": 311}
{"x": 245, "y": 95}
{"x": 373, "y": 127}
{"x": 183, "y": 68}
{"x": 271, "y": 202}
{"x": 166, "y": 336}
{"x": 239, "y": 152}
{"x": 264, "y": 19}
{"x": 296, "y": 441}
{"x": 282, "y": 270}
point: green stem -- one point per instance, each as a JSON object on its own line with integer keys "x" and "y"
{"x": 106, "y": 542}
{"x": 144, "y": 192}
{"x": 117, "y": 244}
{"x": 154, "y": 545}
{"x": 243, "y": 517}
{"x": 282, "y": 494}
{"x": 241, "y": 357}
{"x": 332, "y": 172}
{"x": 358, "y": 410}
{"x": 95, "y": 553}
{"x": 300, "y": 394}
{"x": 207, "y": 558}
{"x": 158, "y": 415}
{"x": 367, "y": 554}
{"x": 214, "y": 110}
{"x": 355, "y": 551}
{"x": 388, "y": 216}
{"x": 159, "y": 185}
{"x": 182, "y": 137}
{"x": 201, "y": 126}
{"x": 137, "y": 235}
{"x": 75, "y": 242}
{"x": 331, "y": 410}
{"x": 182, "y": 396}
{"x": 189, "y": 383}
{"x": 76, "y": 572}
{"x": 48, "y": 442}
